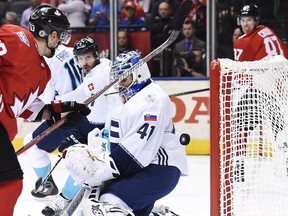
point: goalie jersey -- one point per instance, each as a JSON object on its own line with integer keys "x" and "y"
{"x": 258, "y": 44}
{"x": 142, "y": 133}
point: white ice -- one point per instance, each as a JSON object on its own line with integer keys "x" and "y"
{"x": 190, "y": 197}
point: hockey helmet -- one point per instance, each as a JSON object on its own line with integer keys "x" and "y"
{"x": 249, "y": 10}
{"x": 86, "y": 45}
{"x": 139, "y": 76}
{"x": 45, "y": 19}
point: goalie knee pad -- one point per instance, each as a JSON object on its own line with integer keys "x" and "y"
{"x": 91, "y": 205}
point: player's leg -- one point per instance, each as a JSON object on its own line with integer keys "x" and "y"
{"x": 39, "y": 157}
{"x": 11, "y": 175}
{"x": 140, "y": 191}
{"x": 69, "y": 190}
{"x": 57, "y": 206}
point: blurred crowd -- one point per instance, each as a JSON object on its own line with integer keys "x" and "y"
{"x": 185, "y": 57}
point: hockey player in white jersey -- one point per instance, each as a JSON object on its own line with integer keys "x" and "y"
{"x": 146, "y": 159}
{"x": 86, "y": 53}
{"x": 66, "y": 76}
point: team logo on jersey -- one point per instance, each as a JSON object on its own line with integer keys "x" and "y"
{"x": 23, "y": 38}
{"x": 149, "y": 117}
{"x": 21, "y": 104}
{"x": 62, "y": 55}
{"x": 91, "y": 87}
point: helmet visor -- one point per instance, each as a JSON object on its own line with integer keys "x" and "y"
{"x": 65, "y": 37}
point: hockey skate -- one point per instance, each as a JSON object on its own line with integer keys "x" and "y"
{"x": 161, "y": 210}
{"x": 49, "y": 189}
{"x": 57, "y": 206}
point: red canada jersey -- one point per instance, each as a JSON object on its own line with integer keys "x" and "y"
{"x": 258, "y": 44}
{"x": 23, "y": 75}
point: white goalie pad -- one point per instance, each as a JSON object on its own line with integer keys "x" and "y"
{"x": 92, "y": 206}
{"x": 90, "y": 166}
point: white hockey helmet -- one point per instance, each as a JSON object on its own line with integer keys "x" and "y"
{"x": 140, "y": 75}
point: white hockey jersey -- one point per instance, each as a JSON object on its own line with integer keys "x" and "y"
{"x": 93, "y": 82}
{"x": 142, "y": 132}
{"x": 66, "y": 75}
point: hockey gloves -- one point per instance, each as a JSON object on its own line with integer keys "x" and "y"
{"x": 90, "y": 166}
{"x": 78, "y": 111}
{"x": 71, "y": 140}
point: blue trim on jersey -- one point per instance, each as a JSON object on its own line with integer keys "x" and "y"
{"x": 115, "y": 123}
{"x": 125, "y": 163}
{"x": 114, "y": 134}
{"x": 162, "y": 157}
{"x": 74, "y": 72}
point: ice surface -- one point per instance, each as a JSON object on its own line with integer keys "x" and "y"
{"x": 190, "y": 197}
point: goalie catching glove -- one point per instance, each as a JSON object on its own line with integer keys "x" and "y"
{"x": 78, "y": 110}
{"x": 90, "y": 166}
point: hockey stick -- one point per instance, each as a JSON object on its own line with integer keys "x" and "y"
{"x": 189, "y": 92}
{"x": 75, "y": 202}
{"x": 39, "y": 183}
{"x": 182, "y": 13}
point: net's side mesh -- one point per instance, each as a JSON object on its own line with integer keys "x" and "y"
{"x": 254, "y": 137}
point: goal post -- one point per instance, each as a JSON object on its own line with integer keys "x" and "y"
{"x": 249, "y": 136}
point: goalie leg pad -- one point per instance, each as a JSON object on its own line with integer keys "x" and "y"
{"x": 92, "y": 206}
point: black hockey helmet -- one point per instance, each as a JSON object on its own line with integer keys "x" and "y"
{"x": 86, "y": 45}
{"x": 45, "y": 19}
{"x": 250, "y": 10}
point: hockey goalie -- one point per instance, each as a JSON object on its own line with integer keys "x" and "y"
{"x": 141, "y": 160}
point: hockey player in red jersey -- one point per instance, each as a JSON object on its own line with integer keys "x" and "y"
{"x": 23, "y": 77}
{"x": 258, "y": 41}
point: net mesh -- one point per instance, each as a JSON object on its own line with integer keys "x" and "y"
{"x": 254, "y": 137}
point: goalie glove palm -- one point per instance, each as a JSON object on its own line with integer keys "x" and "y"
{"x": 90, "y": 166}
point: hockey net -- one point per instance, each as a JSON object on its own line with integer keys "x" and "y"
{"x": 249, "y": 136}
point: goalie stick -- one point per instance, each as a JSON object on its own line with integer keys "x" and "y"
{"x": 182, "y": 14}
{"x": 39, "y": 183}
{"x": 74, "y": 203}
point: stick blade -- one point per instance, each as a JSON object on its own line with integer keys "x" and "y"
{"x": 185, "y": 8}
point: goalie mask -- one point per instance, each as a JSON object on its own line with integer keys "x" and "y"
{"x": 45, "y": 19}
{"x": 133, "y": 83}
{"x": 250, "y": 10}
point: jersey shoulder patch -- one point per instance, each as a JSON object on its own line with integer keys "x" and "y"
{"x": 22, "y": 36}
{"x": 62, "y": 55}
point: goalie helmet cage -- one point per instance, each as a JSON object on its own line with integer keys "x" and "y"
{"x": 249, "y": 136}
